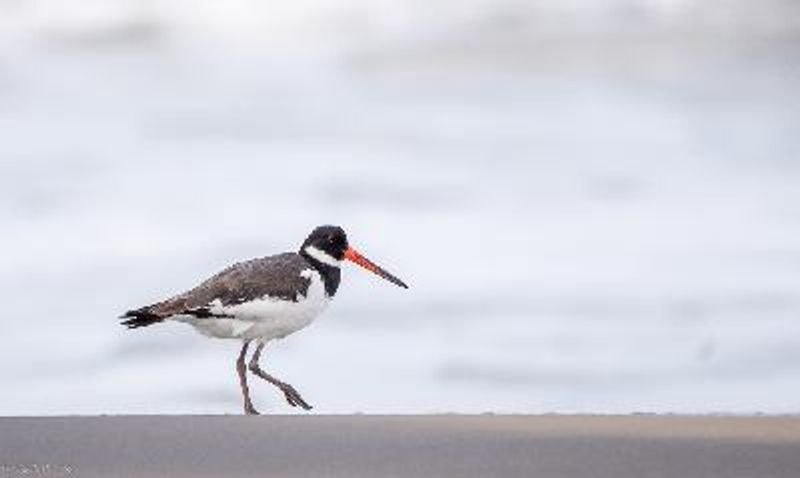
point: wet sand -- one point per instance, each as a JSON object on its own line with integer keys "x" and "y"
{"x": 455, "y": 446}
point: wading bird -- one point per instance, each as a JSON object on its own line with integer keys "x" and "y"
{"x": 263, "y": 299}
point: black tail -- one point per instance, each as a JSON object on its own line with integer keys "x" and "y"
{"x": 133, "y": 319}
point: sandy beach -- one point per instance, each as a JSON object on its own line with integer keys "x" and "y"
{"x": 401, "y": 446}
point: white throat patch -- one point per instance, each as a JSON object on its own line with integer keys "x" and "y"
{"x": 322, "y": 256}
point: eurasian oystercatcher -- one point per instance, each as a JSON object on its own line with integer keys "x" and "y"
{"x": 263, "y": 299}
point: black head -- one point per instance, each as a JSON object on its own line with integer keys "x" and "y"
{"x": 327, "y": 247}
{"x": 330, "y": 241}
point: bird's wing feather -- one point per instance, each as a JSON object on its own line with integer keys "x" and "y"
{"x": 275, "y": 276}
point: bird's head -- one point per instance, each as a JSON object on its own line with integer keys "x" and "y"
{"x": 328, "y": 245}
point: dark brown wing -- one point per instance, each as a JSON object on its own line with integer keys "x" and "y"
{"x": 274, "y": 276}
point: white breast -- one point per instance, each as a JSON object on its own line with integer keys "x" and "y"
{"x": 265, "y": 318}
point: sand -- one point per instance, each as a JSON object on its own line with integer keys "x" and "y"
{"x": 452, "y": 446}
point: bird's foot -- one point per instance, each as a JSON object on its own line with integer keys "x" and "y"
{"x": 293, "y": 396}
{"x": 249, "y": 409}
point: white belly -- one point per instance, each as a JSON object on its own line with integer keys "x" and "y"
{"x": 265, "y": 318}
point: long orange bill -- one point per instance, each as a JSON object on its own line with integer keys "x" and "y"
{"x": 353, "y": 256}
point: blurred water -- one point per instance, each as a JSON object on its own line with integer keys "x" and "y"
{"x": 597, "y": 207}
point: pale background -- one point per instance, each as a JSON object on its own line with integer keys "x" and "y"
{"x": 597, "y": 204}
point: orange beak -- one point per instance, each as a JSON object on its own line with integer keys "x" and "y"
{"x": 353, "y": 256}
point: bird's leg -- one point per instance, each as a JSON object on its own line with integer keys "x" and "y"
{"x": 292, "y": 396}
{"x": 249, "y": 409}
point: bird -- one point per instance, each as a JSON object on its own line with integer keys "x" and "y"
{"x": 263, "y": 299}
